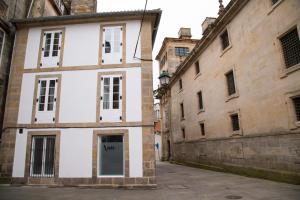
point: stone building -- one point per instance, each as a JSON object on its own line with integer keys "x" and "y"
{"x": 79, "y": 108}
{"x": 235, "y": 100}
{"x": 19, "y": 9}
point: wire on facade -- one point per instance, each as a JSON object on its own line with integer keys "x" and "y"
{"x": 137, "y": 42}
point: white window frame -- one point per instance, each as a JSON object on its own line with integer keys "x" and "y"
{"x": 51, "y": 60}
{"x": 111, "y": 114}
{"x": 45, "y": 115}
{"x": 112, "y": 57}
{"x": 43, "y": 157}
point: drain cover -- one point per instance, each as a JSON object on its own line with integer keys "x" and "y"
{"x": 233, "y": 197}
{"x": 177, "y": 187}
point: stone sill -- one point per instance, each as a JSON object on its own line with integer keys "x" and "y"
{"x": 233, "y": 96}
{"x": 225, "y": 50}
{"x": 286, "y": 71}
{"x": 197, "y": 75}
{"x": 275, "y": 6}
{"x": 200, "y": 111}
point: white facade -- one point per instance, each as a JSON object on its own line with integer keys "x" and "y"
{"x": 76, "y": 93}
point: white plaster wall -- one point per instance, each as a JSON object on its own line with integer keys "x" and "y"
{"x": 133, "y": 95}
{"x": 132, "y": 32}
{"x": 76, "y": 148}
{"x": 32, "y": 48}
{"x": 26, "y": 101}
{"x": 78, "y": 97}
{"x": 81, "y": 45}
{"x": 20, "y": 154}
{"x": 135, "y": 152}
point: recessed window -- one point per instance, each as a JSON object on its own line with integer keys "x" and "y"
{"x": 182, "y": 110}
{"x": 230, "y": 83}
{"x": 225, "y": 39}
{"x": 42, "y": 156}
{"x": 180, "y": 84}
{"x": 181, "y": 51}
{"x": 112, "y": 45}
{"x": 291, "y": 48}
{"x": 296, "y": 102}
{"x": 183, "y": 132}
{"x": 202, "y": 129}
{"x": 200, "y": 100}
{"x": 274, "y": 1}
{"x": 197, "y": 67}
{"x": 235, "y": 122}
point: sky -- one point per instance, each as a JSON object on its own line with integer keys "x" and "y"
{"x": 175, "y": 14}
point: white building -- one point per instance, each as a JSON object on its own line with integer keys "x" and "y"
{"x": 80, "y": 100}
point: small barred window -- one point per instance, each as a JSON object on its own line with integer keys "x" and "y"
{"x": 291, "y": 48}
{"x": 297, "y": 107}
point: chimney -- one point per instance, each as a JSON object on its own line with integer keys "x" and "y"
{"x": 207, "y": 23}
{"x": 83, "y": 7}
{"x": 184, "y": 33}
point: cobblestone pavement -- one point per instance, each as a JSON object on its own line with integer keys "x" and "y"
{"x": 175, "y": 182}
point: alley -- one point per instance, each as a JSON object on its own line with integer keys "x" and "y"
{"x": 175, "y": 182}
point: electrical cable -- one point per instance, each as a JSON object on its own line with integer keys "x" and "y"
{"x": 137, "y": 42}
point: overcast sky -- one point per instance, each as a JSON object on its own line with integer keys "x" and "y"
{"x": 176, "y": 14}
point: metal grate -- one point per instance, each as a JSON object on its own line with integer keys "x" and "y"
{"x": 225, "y": 39}
{"x": 42, "y": 156}
{"x": 291, "y": 48}
{"x": 235, "y": 122}
{"x": 200, "y": 100}
{"x": 230, "y": 83}
{"x": 297, "y": 107}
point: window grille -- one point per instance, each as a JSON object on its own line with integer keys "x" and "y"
{"x": 180, "y": 84}
{"x": 200, "y": 100}
{"x": 230, "y": 83}
{"x": 182, "y": 110}
{"x": 183, "y": 132}
{"x": 197, "y": 67}
{"x": 297, "y": 107}
{"x": 235, "y": 122}
{"x": 181, "y": 51}
{"x": 291, "y": 48}
{"x": 225, "y": 40}
{"x": 42, "y": 156}
{"x": 202, "y": 129}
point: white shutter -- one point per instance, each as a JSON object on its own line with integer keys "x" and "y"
{"x": 51, "y": 48}
{"x": 46, "y": 100}
{"x": 111, "y": 99}
{"x": 112, "y": 45}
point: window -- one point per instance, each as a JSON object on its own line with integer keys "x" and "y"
{"x": 111, "y": 98}
{"x": 51, "y": 48}
{"x": 112, "y": 45}
{"x": 46, "y": 100}
{"x": 235, "y": 122}
{"x": 42, "y": 156}
{"x": 291, "y": 48}
{"x": 182, "y": 110}
{"x": 111, "y": 155}
{"x": 197, "y": 67}
{"x": 200, "y": 100}
{"x": 202, "y": 129}
{"x": 274, "y": 1}
{"x": 296, "y": 102}
{"x": 183, "y": 132}
{"x": 225, "y": 39}
{"x": 181, "y": 51}
{"x": 180, "y": 84}
{"x": 230, "y": 83}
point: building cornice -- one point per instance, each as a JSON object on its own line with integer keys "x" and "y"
{"x": 231, "y": 10}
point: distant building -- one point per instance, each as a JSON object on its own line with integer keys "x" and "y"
{"x": 79, "y": 107}
{"x": 157, "y": 131}
{"x": 172, "y": 53}
{"x": 234, "y": 102}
